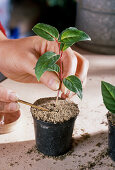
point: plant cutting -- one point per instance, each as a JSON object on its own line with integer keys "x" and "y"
{"x": 53, "y": 128}
{"x": 108, "y": 93}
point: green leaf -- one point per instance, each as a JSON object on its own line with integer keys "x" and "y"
{"x": 108, "y": 94}
{"x": 55, "y": 68}
{"x": 53, "y": 3}
{"x": 46, "y": 31}
{"x": 64, "y": 46}
{"x": 72, "y": 35}
{"x": 45, "y": 62}
{"x": 73, "y": 83}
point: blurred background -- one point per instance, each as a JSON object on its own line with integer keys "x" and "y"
{"x": 20, "y": 16}
{"x": 95, "y": 17}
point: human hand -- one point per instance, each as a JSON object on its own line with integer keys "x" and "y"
{"x": 8, "y": 100}
{"x": 18, "y": 59}
{"x": 80, "y": 71}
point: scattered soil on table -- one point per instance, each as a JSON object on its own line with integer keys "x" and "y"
{"x": 96, "y": 160}
{"x": 99, "y": 144}
{"x": 83, "y": 137}
{"x": 60, "y": 112}
{"x": 61, "y": 157}
{"x": 105, "y": 123}
{"x": 42, "y": 156}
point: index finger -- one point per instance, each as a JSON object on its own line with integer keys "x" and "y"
{"x": 7, "y": 95}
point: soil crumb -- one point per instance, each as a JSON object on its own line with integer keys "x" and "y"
{"x": 60, "y": 112}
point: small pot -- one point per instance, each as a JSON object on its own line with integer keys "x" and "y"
{"x": 111, "y": 140}
{"x": 53, "y": 139}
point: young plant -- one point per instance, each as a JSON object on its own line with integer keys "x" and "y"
{"x": 47, "y": 62}
{"x": 108, "y": 94}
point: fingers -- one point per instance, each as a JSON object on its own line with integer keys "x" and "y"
{"x": 7, "y": 95}
{"x": 69, "y": 63}
{"x": 9, "y": 107}
{"x": 82, "y": 68}
{"x": 73, "y": 64}
{"x": 51, "y": 80}
{"x": 69, "y": 66}
{"x": 81, "y": 72}
{"x": 8, "y": 100}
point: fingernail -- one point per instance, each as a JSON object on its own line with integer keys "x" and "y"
{"x": 14, "y": 106}
{"x": 54, "y": 84}
{"x": 12, "y": 96}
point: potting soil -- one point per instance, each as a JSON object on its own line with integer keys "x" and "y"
{"x": 60, "y": 112}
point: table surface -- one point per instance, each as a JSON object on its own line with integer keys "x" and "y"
{"x": 90, "y": 131}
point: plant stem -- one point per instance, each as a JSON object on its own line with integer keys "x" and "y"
{"x": 57, "y": 96}
{"x": 60, "y": 74}
{"x": 61, "y": 66}
{"x": 60, "y": 53}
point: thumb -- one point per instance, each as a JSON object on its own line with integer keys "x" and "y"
{"x": 51, "y": 80}
{"x": 7, "y": 95}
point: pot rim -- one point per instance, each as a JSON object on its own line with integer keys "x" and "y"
{"x": 51, "y": 123}
{"x": 110, "y": 121}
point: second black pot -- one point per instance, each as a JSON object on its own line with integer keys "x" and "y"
{"x": 111, "y": 140}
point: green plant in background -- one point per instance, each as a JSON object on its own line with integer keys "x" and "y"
{"x": 108, "y": 94}
{"x": 47, "y": 62}
{"x": 53, "y": 3}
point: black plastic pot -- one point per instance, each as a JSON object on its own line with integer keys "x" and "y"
{"x": 111, "y": 140}
{"x": 53, "y": 139}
